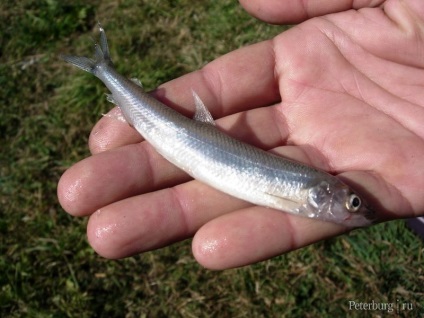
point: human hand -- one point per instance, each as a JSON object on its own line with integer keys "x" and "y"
{"x": 345, "y": 93}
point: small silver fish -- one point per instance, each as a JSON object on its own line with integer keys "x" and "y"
{"x": 211, "y": 156}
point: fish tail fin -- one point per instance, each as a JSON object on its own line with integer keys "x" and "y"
{"x": 102, "y": 56}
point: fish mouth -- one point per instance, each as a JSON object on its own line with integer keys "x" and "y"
{"x": 369, "y": 213}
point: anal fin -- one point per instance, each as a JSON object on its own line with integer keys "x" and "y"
{"x": 109, "y": 98}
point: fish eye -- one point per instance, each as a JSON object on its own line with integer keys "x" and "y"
{"x": 353, "y": 203}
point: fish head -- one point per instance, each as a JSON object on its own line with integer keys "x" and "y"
{"x": 336, "y": 202}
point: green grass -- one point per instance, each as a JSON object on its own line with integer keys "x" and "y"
{"x": 47, "y": 268}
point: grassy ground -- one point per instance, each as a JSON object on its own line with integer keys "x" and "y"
{"x": 47, "y": 109}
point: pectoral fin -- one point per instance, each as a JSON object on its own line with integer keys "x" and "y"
{"x": 137, "y": 82}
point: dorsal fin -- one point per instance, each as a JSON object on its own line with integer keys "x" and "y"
{"x": 202, "y": 113}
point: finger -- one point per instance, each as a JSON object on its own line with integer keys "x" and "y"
{"x": 156, "y": 219}
{"x": 296, "y": 11}
{"x": 241, "y": 80}
{"x": 114, "y": 175}
{"x": 255, "y": 234}
{"x": 238, "y": 81}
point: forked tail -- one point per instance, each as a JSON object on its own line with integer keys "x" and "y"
{"x": 101, "y": 56}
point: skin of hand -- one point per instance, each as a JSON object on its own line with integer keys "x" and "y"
{"x": 344, "y": 92}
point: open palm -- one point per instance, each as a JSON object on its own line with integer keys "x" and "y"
{"x": 343, "y": 92}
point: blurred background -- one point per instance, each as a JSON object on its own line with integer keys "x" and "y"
{"x": 47, "y": 268}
